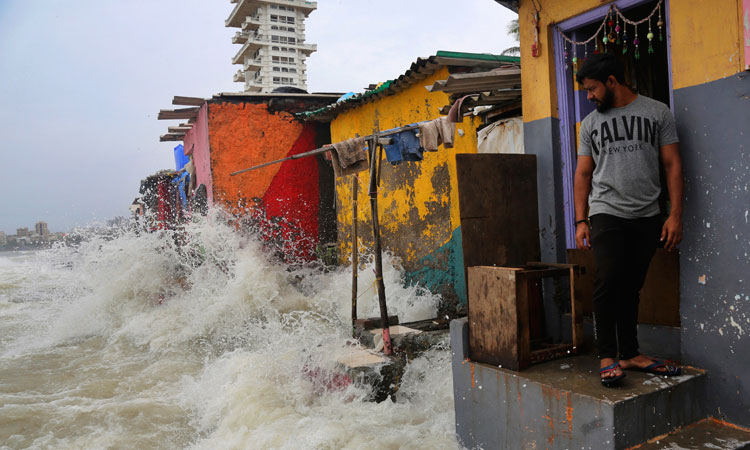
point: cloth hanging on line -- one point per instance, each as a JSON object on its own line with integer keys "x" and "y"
{"x": 447, "y": 130}
{"x": 429, "y": 137}
{"x": 349, "y": 157}
{"x": 436, "y": 132}
{"x": 405, "y": 146}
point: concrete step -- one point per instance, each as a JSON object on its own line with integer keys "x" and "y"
{"x": 706, "y": 434}
{"x": 561, "y": 404}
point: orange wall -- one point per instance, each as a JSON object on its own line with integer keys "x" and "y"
{"x": 243, "y": 135}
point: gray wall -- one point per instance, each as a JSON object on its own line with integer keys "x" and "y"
{"x": 713, "y": 121}
{"x": 542, "y": 138}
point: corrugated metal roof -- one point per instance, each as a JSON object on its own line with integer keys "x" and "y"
{"x": 499, "y": 87}
{"x": 501, "y": 78}
{"x": 510, "y": 4}
{"x": 419, "y": 70}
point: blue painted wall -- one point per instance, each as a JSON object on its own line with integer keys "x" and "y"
{"x": 713, "y": 121}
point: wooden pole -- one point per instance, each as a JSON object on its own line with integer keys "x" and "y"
{"x": 328, "y": 148}
{"x": 355, "y": 250}
{"x": 387, "y": 348}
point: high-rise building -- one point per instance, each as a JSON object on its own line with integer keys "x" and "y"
{"x": 41, "y": 229}
{"x": 22, "y": 232}
{"x": 272, "y": 35}
{"x": 3, "y": 238}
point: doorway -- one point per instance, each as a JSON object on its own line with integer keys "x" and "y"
{"x": 648, "y": 72}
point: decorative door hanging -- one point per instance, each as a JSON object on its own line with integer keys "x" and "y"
{"x": 614, "y": 31}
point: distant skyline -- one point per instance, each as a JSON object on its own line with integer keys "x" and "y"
{"x": 83, "y": 80}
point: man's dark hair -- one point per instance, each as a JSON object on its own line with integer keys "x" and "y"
{"x": 600, "y": 67}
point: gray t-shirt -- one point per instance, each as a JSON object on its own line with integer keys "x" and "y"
{"x": 624, "y": 143}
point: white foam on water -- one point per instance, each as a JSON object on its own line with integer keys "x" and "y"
{"x": 127, "y": 341}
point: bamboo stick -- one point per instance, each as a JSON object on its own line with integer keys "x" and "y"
{"x": 328, "y": 148}
{"x": 387, "y": 348}
{"x": 355, "y": 250}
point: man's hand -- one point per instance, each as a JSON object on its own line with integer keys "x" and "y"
{"x": 671, "y": 232}
{"x": 583, "y": 239}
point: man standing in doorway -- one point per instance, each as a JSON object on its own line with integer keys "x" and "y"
{"x": 616, "y": 194}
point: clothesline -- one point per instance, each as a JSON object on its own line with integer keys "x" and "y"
{"x": 329, "y": 147}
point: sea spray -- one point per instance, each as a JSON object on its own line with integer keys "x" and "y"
{"x": 128, "y": 340}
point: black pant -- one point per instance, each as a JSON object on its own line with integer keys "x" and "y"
{"x": 622, "y": 252}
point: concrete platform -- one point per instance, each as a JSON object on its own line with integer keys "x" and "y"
{"x": 562, "y": 405}
{"x": 706, "y": 434}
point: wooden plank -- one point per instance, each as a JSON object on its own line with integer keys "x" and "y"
{"x": 493, "y": 316}
{"x": 171, "y": 137}
{"x": 660, "y": 296}
{"x": 584, "y": 287}
{"x": 522, "y": 320}
{"x": 178, "y": 129}
{"x": 498, "y": 209}
{"x": 187, "y": 101}
{"x": 546, "y": 354}
{"x": 182, "y": 113}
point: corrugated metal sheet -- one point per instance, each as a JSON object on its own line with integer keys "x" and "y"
{"x": 419, "y": 70}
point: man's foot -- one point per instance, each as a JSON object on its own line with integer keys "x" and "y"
{"x": 610, "y": 372}
{"x": 645, "y": 364}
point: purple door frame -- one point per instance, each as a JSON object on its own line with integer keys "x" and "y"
{"x": 569, "y": 111}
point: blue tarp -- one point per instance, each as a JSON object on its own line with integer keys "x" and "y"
{"x": 182, "y": 183}
{"x": 180, "y": 159}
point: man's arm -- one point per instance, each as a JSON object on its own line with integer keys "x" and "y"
{"x": 671, "y": 232}
{"x": 581, "y": 189}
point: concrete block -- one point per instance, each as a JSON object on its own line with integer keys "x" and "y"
{"x": 562, "y": 405}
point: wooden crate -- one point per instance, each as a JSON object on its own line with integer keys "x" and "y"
{"x": 504, "y": 312}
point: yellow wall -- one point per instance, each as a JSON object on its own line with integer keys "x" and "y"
{"x": 418, "y": 202}
{"x": 705, "y": 39}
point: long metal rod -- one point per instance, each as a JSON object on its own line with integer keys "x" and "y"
{"x": 355, "y": 250}
{"x": 387, "y": 348}
{"x": 328, "y": 148}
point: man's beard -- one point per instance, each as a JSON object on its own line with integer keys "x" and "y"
{"x": 606, "y": 102}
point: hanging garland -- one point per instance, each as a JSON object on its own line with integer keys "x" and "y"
{"x": 614, "y": 34}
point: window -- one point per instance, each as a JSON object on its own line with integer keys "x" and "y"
{"x": 293, "y": 70}
{"x": 283, "y": 80}
{"x": 274, "y": 7}
{"x": 277, "y": 69}
{"x": 275, "y": 48}
{"x": 283, "y": 39}
{"x": 274, "y": 27}
{"x": 274, "y": 18}
{"x": 282, "y": 60}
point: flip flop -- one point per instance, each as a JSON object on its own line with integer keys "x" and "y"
{"x": 670, "y": 370}
{"x": 611, "y": 381}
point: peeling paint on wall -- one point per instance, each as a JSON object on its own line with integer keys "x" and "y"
{"x": 418, "y": 202}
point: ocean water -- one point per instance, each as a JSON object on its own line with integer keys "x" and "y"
{"x": 132, "y": 343}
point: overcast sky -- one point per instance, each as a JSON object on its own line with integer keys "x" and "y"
{"x": 81, "y": 82}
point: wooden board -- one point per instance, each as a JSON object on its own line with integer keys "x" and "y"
{"x": 494, "y": 313}
{"x": 660, "y": 296}
{"x": 498, "y": 209}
